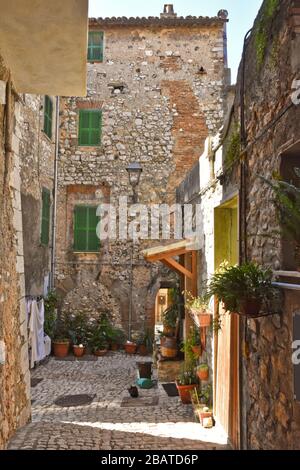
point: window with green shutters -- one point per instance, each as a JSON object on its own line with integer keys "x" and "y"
{"x": 95, "y": 46}
{"x": 85, "y": 224}
{"x": 48, "y": 112}
{"x": 45, "y": 217}
{"x": 90, "y": 122}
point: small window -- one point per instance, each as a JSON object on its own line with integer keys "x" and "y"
{"x": 45, "y": 217}
{"x": 95, "y": 46}
{"x": 85, "y": 225}
{"x": 90, "y": 122}
{"x": 48, "y": 112}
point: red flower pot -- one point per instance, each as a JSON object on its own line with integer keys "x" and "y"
{"x": 114, "y": 347}
{"x": 250, "y": 307}
{"x": 197, "y": 350}
{"x": 203, "y": 374}
{"x": 185, "y": 392}
{"x": 100, "y": 352}
{"x": 61, "y": 348}
{"x": 78, "y": 351}
{"x": 130, "y": 348}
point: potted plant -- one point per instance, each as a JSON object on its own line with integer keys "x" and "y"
{"x": 195, "y": 341}
{"x": 50, "y": 315}
{"x": 287, "y": 202}
{"x": 242, "y": 289}
{"x": 186, "y": 383}
{"x": 78, "y": 332}
{"x": 130, "y": 347}
{"x": 203, "y": 372}
{"x": 61, "y": 341}
{"x": 199, "y": 309}
{"x": 144, "y": 343}
{"x": 98, "y": 340}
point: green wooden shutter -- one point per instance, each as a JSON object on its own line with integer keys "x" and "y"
{"x": 48, "y": 114}
{"x": 45, "y": 217}
{"x": 90, "y": 122}
{"x": 95, "y": 46}
{"x": 93, "y": 240}
{"x": 85, "y": 224}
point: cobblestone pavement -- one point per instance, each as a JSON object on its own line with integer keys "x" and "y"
{"x": 104, "y": 424}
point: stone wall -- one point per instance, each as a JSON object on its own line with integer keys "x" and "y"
{"x": 14, "y": 372}
{"x": 273, "y": 420}
{"x": 161, "y": 91}
{"x": 37, "y": 167}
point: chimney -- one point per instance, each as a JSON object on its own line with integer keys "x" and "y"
{"x": 168, "y": 11}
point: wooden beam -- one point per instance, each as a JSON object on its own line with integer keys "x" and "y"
{"x": 167, "y": 254}
{"x": 171, "y": 263}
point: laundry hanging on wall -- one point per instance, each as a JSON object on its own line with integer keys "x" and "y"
{"x": 36, "y": 336}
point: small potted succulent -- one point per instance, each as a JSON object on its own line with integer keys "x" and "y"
{"x": 203, "y": 372}
{"x": 186, "y": 383}
{"x": 199, "y": 310}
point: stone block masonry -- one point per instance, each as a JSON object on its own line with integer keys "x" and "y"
{"x": 161, "y": 91}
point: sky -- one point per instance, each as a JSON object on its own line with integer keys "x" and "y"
{"x": 241, "y": 16}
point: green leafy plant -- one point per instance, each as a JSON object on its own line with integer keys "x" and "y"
{"x": 195, "y": 303}
{"x": 78, "y": 328}
{"x": 172, "y": 313}
{"x": 50, "y": 304}
{"x": 235, "y": 284}
{"x": 145, "y": 339}
{"x": 233, "y": 150}
{"x": 187, "y": 376}
{"x": 263, "y": 29}
{"x": 61, "y": 328}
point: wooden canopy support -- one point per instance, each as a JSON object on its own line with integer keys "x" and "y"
{"x": 166, "y": 255}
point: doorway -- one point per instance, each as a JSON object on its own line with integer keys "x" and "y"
{"x": 226, "y": 342}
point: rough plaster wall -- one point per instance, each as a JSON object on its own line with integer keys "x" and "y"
{"x": 14, "y": 374}
{"x": 37, "y": 166}
{"x": 160, "y": 119}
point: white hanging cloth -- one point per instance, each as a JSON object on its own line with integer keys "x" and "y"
{"x": 36, "y": 332}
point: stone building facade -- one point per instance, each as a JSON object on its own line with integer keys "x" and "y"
{"x": 160, "y": 88}
{"x": 240, "y": 224}
{"x": 37, "y": 150}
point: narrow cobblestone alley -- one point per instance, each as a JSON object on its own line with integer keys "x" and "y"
{"x": 105, "y": 423}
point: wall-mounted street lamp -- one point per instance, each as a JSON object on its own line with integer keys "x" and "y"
{"x": 134, "y": 173}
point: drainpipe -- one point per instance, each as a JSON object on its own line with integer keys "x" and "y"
{"x": 8, "y": 130}
{"x": 54, "y": 212}
{"x": 130, "y": 295}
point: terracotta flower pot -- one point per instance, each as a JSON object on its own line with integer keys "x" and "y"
{"x": 78, "y": 351}
{"x": 203, "y": 374}
{"x": 202, "y": 316}
{"x": 142, "y": 350}
{"x": 114, "y": 347}
{"x": 61, "y": 348}
{"x": 130, "y": 348}
{"x": 185, "y": 392}
{"x": 169, "y": 330}
{"x": 197, "y": 350}
{"x": 100, "y": 352}
{"x": 250, "y": 307}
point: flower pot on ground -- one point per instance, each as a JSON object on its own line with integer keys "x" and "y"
{"x": 114, "y": 346}
{"x": 203, "y": 372}
{"x": 186, "y": 383}
{"x": 100, "y": 352}
{"x": 142, "y": 350}
{"x": 206, "y": 418}
{"x": 79, "y": 350}
{"x": 61, "y": 347}
{"x": 130, "y": 348}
